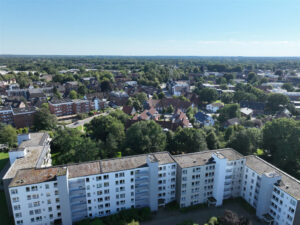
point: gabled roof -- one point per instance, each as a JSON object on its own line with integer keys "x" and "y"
{"x": 200, "y": 116}
{"x": 175, "y": 102}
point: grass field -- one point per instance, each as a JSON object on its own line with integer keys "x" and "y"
{"x": 4, "y": 218}
{"x": 3, "y": 159}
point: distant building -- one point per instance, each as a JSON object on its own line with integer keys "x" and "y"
{"x": 214, "y": 107}
{"x": 204, "y": 119}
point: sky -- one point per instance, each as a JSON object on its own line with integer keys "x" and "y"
{"x": 150, "y": 27}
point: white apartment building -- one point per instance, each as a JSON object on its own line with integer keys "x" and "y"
{"x": 92, "y": 189}
{"x": 33, "y": 152}
{"x": 73, "y": 192}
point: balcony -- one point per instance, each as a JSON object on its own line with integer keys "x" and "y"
{"x": 78, "y": 200}
{"x": 78, "y": 208}
{"x": 77, "y": 193}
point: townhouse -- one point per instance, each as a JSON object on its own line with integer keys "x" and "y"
{"x": 69, "y": 193}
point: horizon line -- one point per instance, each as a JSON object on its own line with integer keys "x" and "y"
{"x": 116, "y": 55}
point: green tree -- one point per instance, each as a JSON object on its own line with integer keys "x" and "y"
{"x": 145, "y": 137}
{"x": 44, "y": 120}
{"x": 281, "y": 139}
{"x": 72, "y": 146}
{"x": 8, "y": 135}
{"x": 82, "y": 90}
{"x": 212, "y": 140}
{"x": 227, "y": 97}
{"x": 73, "y": 94}
{"x": 276, "y": 101}
{"x": 189, "y": 140}
{"x": 208, "y": 95}
{"x": 246, "y": 141}
{"x": 229, "y": 111}
{"x": 120, "y": 115}
{"x": 288, "y": 87}
{"x": 110, "y": 131}
{"x": 252, "y": 77}
{"x": 161, "y": 95}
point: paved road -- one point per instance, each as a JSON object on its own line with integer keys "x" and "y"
{"x": 84, "y": 121}
{"x": 199, "y": 216}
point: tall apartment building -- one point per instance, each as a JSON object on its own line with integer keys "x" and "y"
{"x": 94, "y": 189}
{"x": 33, "y": 152}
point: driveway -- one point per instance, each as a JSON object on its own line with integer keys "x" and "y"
{"x": 199, "y": 216}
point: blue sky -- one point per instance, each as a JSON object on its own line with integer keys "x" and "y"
{"x": 151, "y": 27}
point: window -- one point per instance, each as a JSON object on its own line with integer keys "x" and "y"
{"x": 19, "y": 222}
{"x": 14, "y": 191}
{"x": 17, "y": 207}
{"x": 34, "y": 188}
{"x": 16, "y": 199}
{"x": 18, "y": 215}
{"x": 47, "y": 186}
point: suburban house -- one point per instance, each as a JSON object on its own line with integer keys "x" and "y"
{"x": 204, "y": 119}
{"x": 214, "y": 107}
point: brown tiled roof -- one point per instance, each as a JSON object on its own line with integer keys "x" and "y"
{"x": 175, "y": 102}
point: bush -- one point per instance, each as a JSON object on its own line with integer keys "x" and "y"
{"x": 125, "y": 217}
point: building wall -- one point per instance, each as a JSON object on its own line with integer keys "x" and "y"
{"x": 153, "y": 185}
{"x": 6, "y": 116}
{"x": 24, "y": 119}
{"x": 36, "y": 204}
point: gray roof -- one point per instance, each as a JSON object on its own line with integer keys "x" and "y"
{"x": 202, "y": 158}
{"x": 80, "y": 169}
{"x": 288, "y": 183}
{"x": 35, "y": 150}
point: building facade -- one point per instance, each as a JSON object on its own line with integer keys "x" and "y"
{"x": 66, "y": 194}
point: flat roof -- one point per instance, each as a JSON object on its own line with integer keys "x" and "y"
{"x": 29, "y": 161}
{"x": 35, "y": 176}
{"x": 81, "y": 169}
{"x": 36, "y": 139}
{"x": 288, "y": 184}
{"x": 201, "y": 158}
{"x": 34, "y": 147}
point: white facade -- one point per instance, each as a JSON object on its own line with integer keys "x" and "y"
{"x": 101, "y": 188}
{"x": 213, "y": 107}
{"x": 36, "y": 204}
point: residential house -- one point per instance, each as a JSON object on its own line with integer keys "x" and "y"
{"x": 204, "y": 119}
{"x": 214, "y": 107}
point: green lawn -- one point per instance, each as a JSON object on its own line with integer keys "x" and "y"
{"x": 3, "y": 159}
{"x": 4, "y": 218}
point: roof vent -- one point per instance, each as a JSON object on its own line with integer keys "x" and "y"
{"x": 20, "y": 181}
{"x": 194, "y": 161}
{"x": 287, "y": 187}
